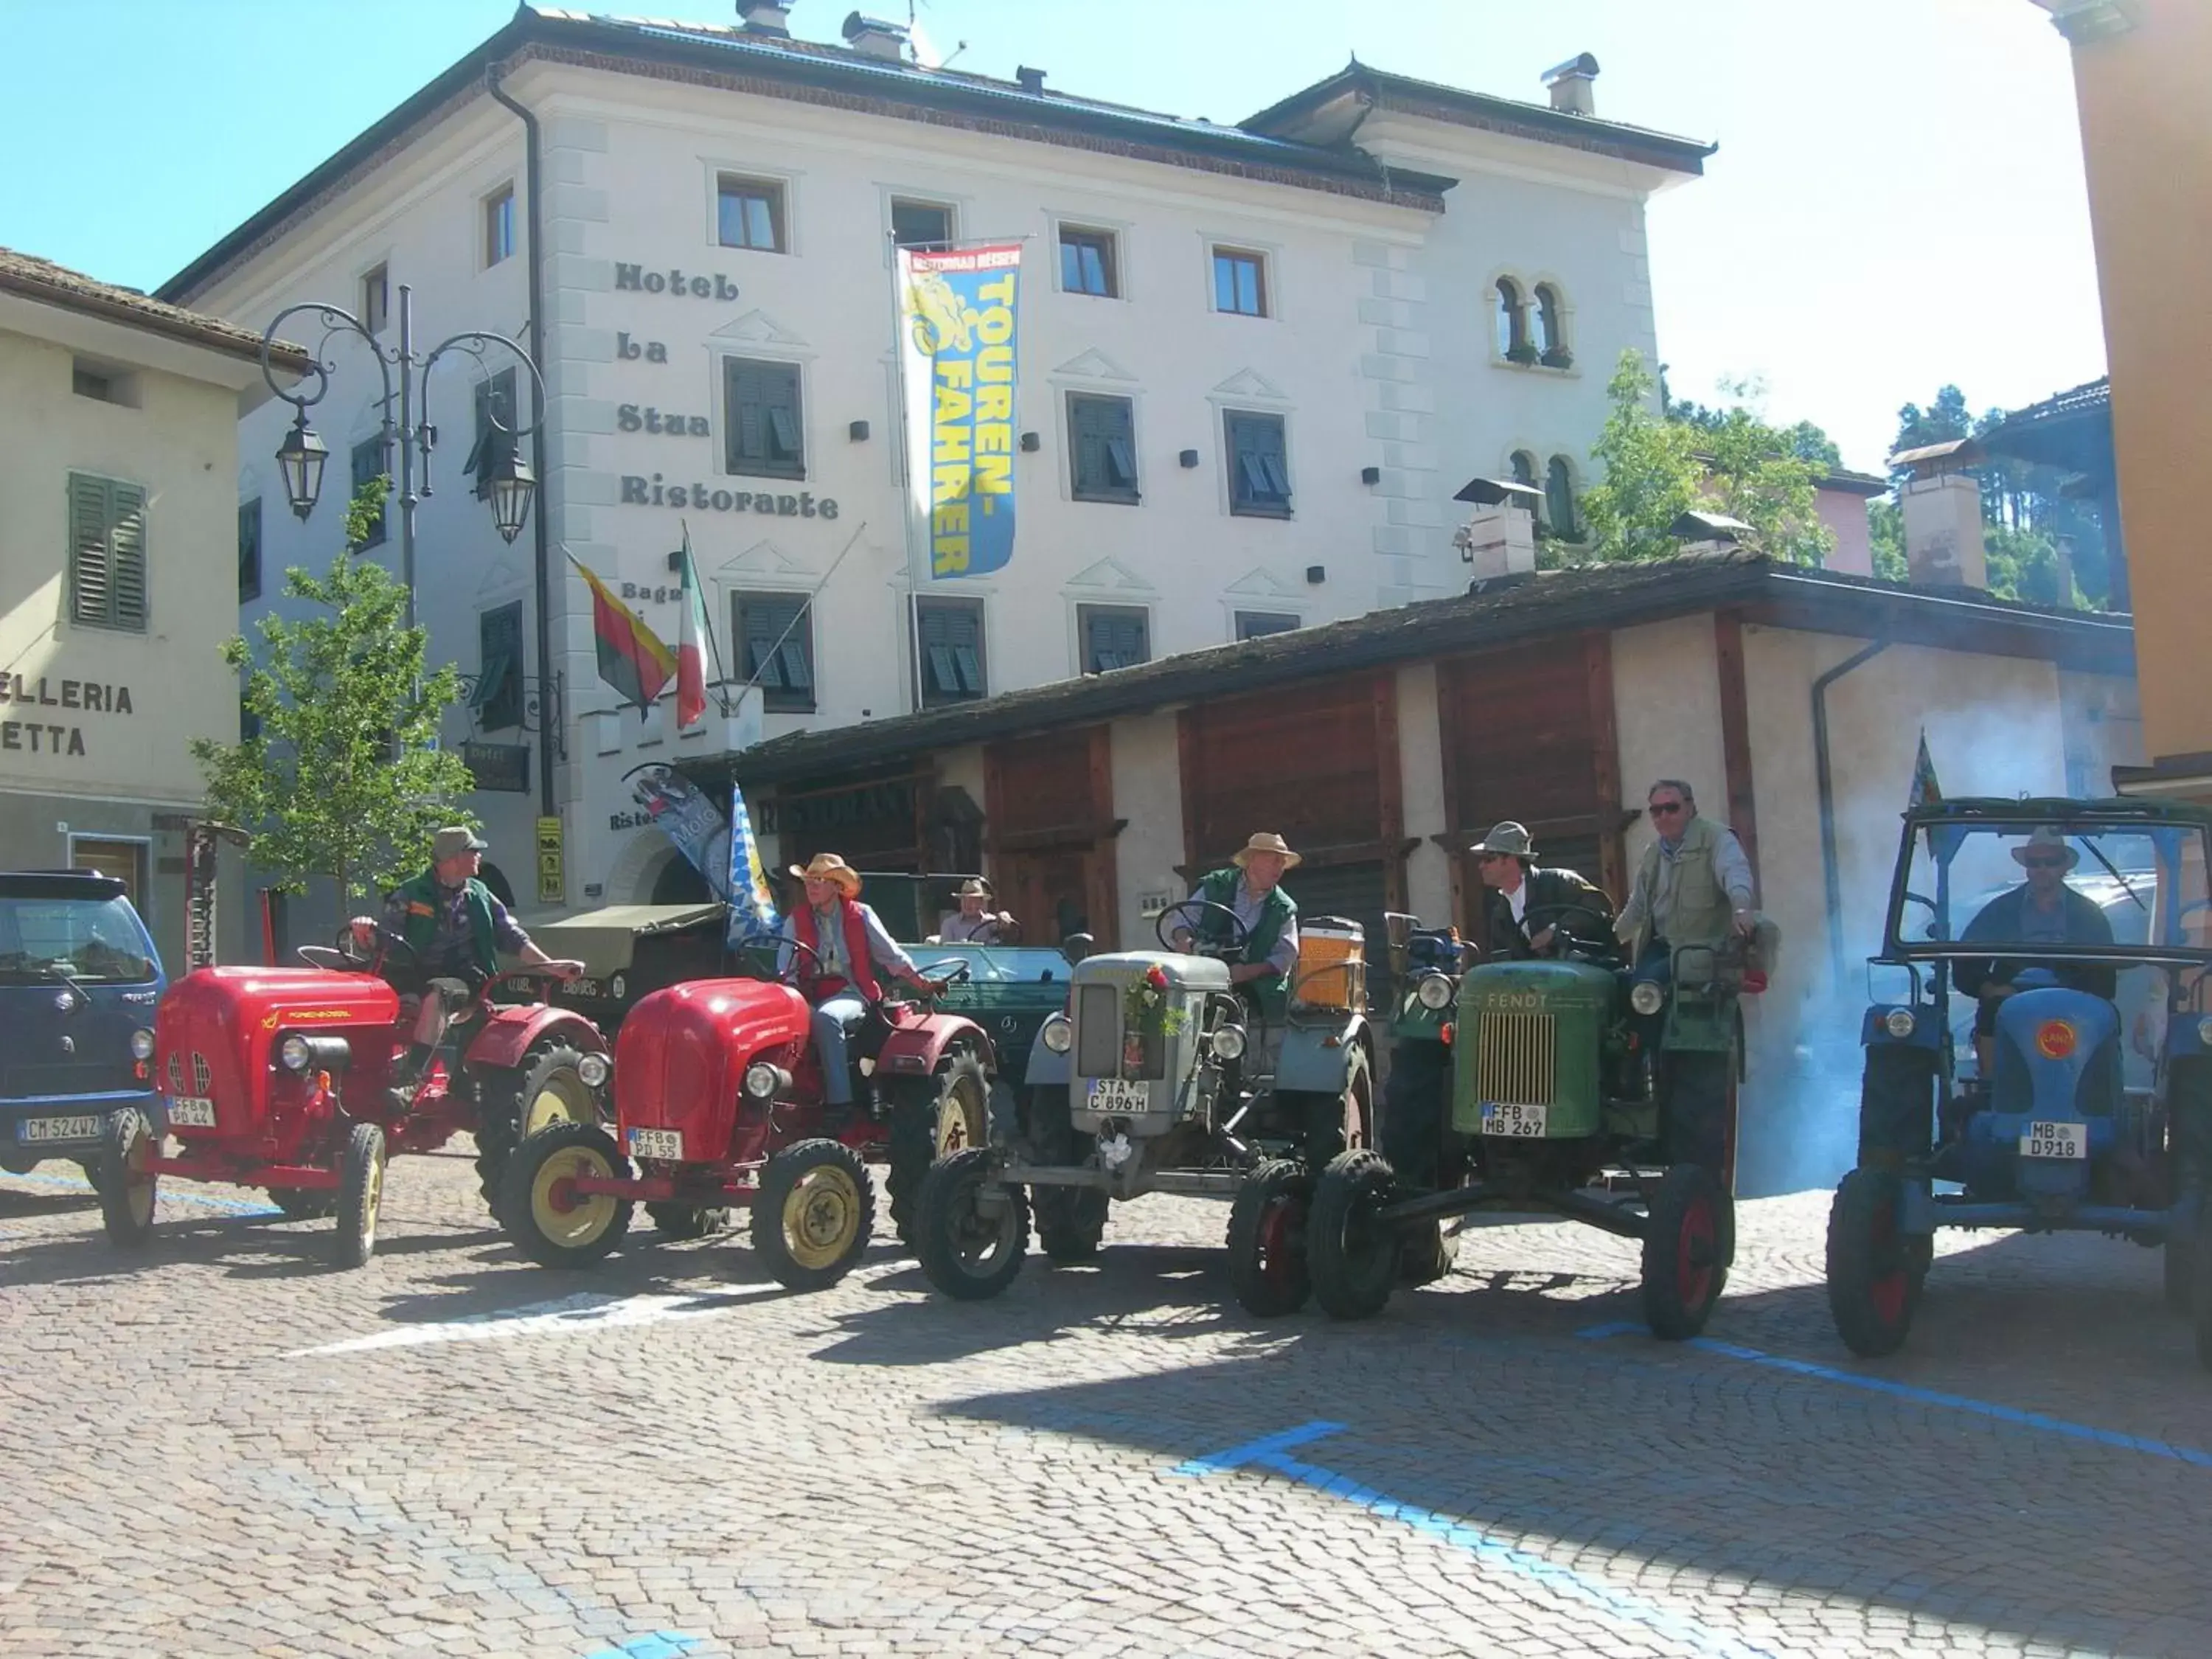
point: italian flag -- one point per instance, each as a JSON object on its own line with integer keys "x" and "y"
{"x": 692, "y": 643}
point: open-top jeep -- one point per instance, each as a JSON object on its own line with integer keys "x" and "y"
{"x": 1995, "y": 901}
{"x": 1600, "y": 1092}
{"x": 719, "y": 1103}
{"x": 279, "y": 1078}
{"x": 1160, "y": 1078}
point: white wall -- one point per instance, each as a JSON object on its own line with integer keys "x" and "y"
{"x": 1148, "y": 793}
{"x": 1420, "y": 746}
{"x": 1667, "y": 713}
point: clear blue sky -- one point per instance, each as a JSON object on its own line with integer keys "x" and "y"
{"x": 1898, "y": 201}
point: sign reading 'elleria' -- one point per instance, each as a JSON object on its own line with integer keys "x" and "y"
{"x": 651, "y": 492}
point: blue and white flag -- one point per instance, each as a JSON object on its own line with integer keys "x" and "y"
{"x": 752, "y": 901}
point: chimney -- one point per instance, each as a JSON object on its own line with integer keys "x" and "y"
{"x": 1032, "y": 80}
{"x": 768, "y": 17}
{"x": 1943, "y": 531}
{"x": 873, "y": 38}
{"x": 1569, "y": 85}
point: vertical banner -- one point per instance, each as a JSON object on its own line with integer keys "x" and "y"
{"x": 752, "y": 902}
{"x": 689, "y": 819}
{"x": 957, "y": 352}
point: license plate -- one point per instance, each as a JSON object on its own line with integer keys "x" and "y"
{"x": 585, "y": 987}
{"x": 663, "y": 1146}
{"x": 1119, "y": 1094}
{"x": 192, "y": 1113}
{"x": 58, "y": 1128}
{"x": 1517, "y": 1122}
{"x": 2055, "y": 1140}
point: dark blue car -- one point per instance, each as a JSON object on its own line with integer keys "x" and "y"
{"x": 79, "y": 982}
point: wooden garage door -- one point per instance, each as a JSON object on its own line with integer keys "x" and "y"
{"x": 1049, "y": 834}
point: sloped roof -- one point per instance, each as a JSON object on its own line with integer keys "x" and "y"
{"x": 42, "y": 280}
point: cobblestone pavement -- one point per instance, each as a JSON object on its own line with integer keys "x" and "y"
{"x": 224, "y": 1447}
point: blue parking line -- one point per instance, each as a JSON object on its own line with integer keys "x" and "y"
{"x": 660, "y": 1644}
{"x": 2011, "y": 1415}
{"x": 1269, "y": 1453}
{"x": 228, "y": 1206}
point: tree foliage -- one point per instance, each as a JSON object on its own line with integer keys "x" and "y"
{"x": 1661, "y": 462}
{"x": 336, "y": 774}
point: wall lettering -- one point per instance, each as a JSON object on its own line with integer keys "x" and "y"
{"x": 23, "y": 734}
{"x": 652, "y": 351}
{"x": 651, "y": 492}
{"x": 673, "y": 281}
{"x": 630, "y": 418}
{"x": 41, "y": 738}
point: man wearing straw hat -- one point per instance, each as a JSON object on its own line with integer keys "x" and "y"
{"x": 975, "y": 925}
{"x": 848, "y": 952}
{"x": 1514, "y": 888}
{"x": 1249, "y": 889}
{"x": 2044, "y": 910}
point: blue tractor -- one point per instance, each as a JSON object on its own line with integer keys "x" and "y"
{"x": 2077, "y": 1098}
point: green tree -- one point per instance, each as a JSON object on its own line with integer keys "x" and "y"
{"x": 1657, "y": 466}
{"x": 337, "y": 773}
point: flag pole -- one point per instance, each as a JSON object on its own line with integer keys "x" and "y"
{"x": 721, "y": 673}
{"x": 914, "y": 503}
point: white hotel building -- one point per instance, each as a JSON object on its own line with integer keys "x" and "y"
{"x": 1257, "y": 362}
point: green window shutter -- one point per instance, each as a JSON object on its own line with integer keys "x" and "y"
{"x": 126, "y": 543}
{"x": 92, "y": 583}
{"x": 766, "y": 437}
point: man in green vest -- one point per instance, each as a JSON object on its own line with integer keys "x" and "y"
{"x": 1693, "y": 885}
{"x": 1250, "y": 890}
{"x": 454, "y": 928}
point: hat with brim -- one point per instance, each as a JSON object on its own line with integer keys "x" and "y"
{"x": 1267, "y": 842}
{"x": 975, "y": 887}
{"x": 827, "y": 866}
{"x": 2047, "y": 839}
{"x": 454, "y": 840}
{"x": 1507, "y": 838}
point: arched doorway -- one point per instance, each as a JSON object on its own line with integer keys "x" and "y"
{"x": 678, "y": 882}
{"x": 496, "y": 879}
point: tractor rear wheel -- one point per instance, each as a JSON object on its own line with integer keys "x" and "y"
{"x": 1428, "y": 1253}
{"x": 544, "y": 1090}
{"x": 2180, "y": 1252}
{"x": 1689, "y": 1241}
{"x": 1071, "y": 1221}
{"x": 686, "y": 1220}
{"x": 1875, "y": 1274}
{"x": 549, "y": 1221}
{"x": 128, "y": 1184}
{"x": 1352, "y": 1257}
{"x": 1415, "y": 1101}
{"x": 1267, "y": 1238}
{"x": 931, "y": 1120}
{"x": 970, "y": 1248}
{"x": 812, "y": 1214}
{"x": 361, "y": 1193}
{"x": 1343, "y": 1122}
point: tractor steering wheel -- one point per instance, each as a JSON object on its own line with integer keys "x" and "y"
{"x": 1565, "y": 908}
{"x": 1235, "y": 947}
{"x": 792, "y": 974}
{"x": 343, "y": 955}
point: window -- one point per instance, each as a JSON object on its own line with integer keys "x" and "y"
{"x": 951, "y": 646}
{"x": 249, "y": 550}
{"x": 778, "y": 632}
{"x": 103, "y": 385}
{"x": 762, "y": 424}
{"x": 748, "y": 213}
{"x": 1087, "y": 265}
{"x": 375, "y": 298}
{"x": 1560, "y": 499}
{"x": 1256, "y": 624}
{"x": 921, "y": 224}
{"x": 1512, "y": 322}
{"x": 1259, "y": 473}
{"x": 498, "y": 699}
{"x": 1550, "y": 329}
{"x": 1101, "y": 448}
{"x": 1524, "y": 468}
{"x": 495, "y": 430}
{"x": 499, "y": 225}
{"x": 1114, "y": 636}
{"x": 107, "y": 553}
{"x": 1240, "y": 283}
{"x": 368, "y": 463}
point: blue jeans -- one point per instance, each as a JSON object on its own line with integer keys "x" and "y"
{"x": 834, "y": 1021}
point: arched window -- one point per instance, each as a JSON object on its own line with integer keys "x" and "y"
{"x": 1512, "y": 318}
{"x": 1524, "y": 468}
{"x": 1560, "y": 499}
{"x": 496, "y": 879}
{"x": 1550, "y": 329}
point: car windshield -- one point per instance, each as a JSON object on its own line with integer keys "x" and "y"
{"x": 994, "y": 964}
{"x": 2026, "y": 889}
{"x": 93, "y": 940}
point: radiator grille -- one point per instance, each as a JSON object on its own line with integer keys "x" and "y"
{"x": 1098, "y": 1031}
{"x": 1516, "y": 1059}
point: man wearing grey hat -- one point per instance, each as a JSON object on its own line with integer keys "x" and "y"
{"x": 2041, "y": 910}
{"x": 454, "y": 928}
{"x": 1526, "y": 909}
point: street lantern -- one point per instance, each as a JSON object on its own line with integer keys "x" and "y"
{"x": 513, "y": 483}
{"x": 301, "y": 458}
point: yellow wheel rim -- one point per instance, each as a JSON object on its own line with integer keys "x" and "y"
{"x": 138, "y": 1179}
{"x": 587, "y": 1215}
{"x": 564, "y": 1099}
{"x": 821, "y": 1217}
{"x": 959, "y": 1118}
{"x": 372, "y": 1200}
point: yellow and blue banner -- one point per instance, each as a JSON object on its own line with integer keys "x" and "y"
{"x": 957, "y": 344}
{"x": 752, "y": 901}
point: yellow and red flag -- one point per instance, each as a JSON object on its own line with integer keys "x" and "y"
{"x": 632, "y": 658}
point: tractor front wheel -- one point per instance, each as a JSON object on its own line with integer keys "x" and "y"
{"x": 812, "y": 1214}
{"x": 553, "y": 1223}
{"x": 361, "y": 1194}
{"x": 1689, "y": 1241}
{"x": 1352, "y": 1257}
{"x": 127, "y": 1184}
{"x": 970, "y": 1243}
{"x": 1875, "y": 1274}
{"x": 1268, "y": 1239}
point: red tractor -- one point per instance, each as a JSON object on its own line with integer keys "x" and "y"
{"x": 718, "y": 1097}
{"x": 279, "y": 1078}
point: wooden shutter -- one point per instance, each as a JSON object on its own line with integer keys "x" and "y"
{"x": 126, "y": 543}
{"x": 107, "y": 552}
{"x": 766, "y": 438}
{"x": 1258, "y": 475}
{"x": 952, "y": 650}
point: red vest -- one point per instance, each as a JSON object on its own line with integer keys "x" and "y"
{"x": 810, "y": 977}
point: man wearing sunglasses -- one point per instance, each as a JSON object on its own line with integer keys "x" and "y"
{"x": 2042, "y": 910}
{"x": 1693, "y": 885}
{"x": 1514, "y": 890}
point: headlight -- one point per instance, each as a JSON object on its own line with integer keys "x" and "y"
{"x": 1899, "y": 1022}
{"x": 1057, "y": 1034}
{"x": 1229, "y": 1043}
{"x": 2204, "y": 1032}
{"x": 619, "y": 985}
{"x": 141, "y": 1044}
{"x": 295, "y": 1051}
{"x": 595, "y": 1070}
{"x": 760, "y": 1080}
{"x": 1434, "y": 992}
{"x": 1647, "y": 998}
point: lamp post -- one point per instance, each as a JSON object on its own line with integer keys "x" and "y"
{"x": 302, "y": 455}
